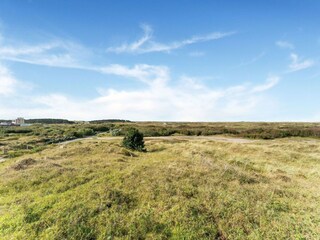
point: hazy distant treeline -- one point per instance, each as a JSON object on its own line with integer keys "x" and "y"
{"x": 49, "y": 121}
{"x": 109, "y": 121}
{"x": 65, "y": 121}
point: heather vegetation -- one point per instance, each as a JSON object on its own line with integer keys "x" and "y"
{"x": 241, "y": 129}
{"x": 20, "y": 140}
{"x": 178, "y": 189}
{"x": 106, "y": 186}
{"x": 17, "y": 141}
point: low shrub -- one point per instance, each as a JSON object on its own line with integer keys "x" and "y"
{"x": 133, "y": 140}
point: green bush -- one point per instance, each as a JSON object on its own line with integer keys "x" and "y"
{"x": 116, "y": 132}
{"x": 133, "y": 140}
{"x": 84, "y": 133}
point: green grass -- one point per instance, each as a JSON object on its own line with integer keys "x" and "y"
{"x": 182, "y": 189}
{"x": 18, "y": 141}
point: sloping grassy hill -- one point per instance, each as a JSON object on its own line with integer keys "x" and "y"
{"x": 179, "y": 189}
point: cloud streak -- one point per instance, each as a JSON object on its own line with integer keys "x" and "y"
{"x": 146, "y": 45}
{"x": 285, "y": 45}
{"x": 298, "y": 65}
{"x": 149, "y": 74}
{"x": 8, "y": 83}
{"x": 270, "y": 83}
{"x": 56, "y": 53}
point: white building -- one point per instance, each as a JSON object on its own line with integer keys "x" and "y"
{"x": 18, "y": 121}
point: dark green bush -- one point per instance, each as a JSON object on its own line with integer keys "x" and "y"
{"x": 133, "y": 140}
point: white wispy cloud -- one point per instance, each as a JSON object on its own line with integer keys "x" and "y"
{"x": 285, "y": 44}
{"x": 8, "y": 83}
{"x": 10, "y": 86}
{"x": 55, "y": 53}
{"x": 136, "y": 45}
{"x": 66, "y": 54}
{"x": 297, "y": 64}
{"x": 191, "y": 83}
{"x": 189, "y": 100}
{"x": 270, "y": 83}
{"x": 149, "y": 74}
{"x": 146, "y": 45}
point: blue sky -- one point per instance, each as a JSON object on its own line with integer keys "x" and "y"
{"x": 160, "y": 60}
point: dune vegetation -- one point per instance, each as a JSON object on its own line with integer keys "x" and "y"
{"x": 178, "y": 189}
{"x": 17, "y": 141}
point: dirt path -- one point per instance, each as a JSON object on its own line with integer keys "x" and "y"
{"x": 212, "y": 138}
{"x": 169, "y": 138}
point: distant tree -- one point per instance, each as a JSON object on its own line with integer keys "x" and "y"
{"x": 134, "y": 140}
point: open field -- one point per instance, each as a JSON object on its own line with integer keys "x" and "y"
{"x": 181, "y": 188}
{"x": 17, "y": 141}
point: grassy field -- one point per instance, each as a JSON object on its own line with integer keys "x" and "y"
{"x": 178, "y": 189}
{"x": 17, "y": 141}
